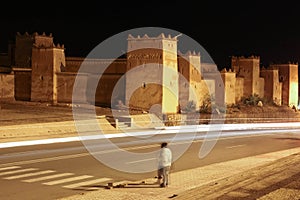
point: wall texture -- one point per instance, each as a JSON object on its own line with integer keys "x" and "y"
{"x": 7, "y": 86}
{"x": 22, "y": 84}
{"x": 152, "y": 75}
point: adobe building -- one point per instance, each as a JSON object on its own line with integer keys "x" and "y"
{"x": 47, "y": 60}
{"x": 7, "y": 78}
{"x": 6, "y": 85}
{"x": 248, "y": 68}
{"x": 278, "y": 83}
{"x": 230, "y": 87}
{"x": 37, "y": 62}
{"x": 192, "y": 86}
{"x": 288, "y": 76}
{"x": 152, "y": 74}
{"x": 273, "y": 87}
{"x": 155, "y": 77}
{"x": 213, "y": 80}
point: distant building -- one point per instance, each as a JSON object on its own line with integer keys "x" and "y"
{"x": 273, "y": 87}
{"x": 288, "y": 76}
{"x": 248, "y": 68}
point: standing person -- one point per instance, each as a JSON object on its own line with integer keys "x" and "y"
{"x": 164, "y": 164}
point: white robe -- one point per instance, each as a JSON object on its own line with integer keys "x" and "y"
{"x": 164, "y": 157}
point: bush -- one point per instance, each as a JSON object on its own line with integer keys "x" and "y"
{"x": 206, "y": 105}
{"x": 253, "y": 100}
{"x": 190, "y": 107}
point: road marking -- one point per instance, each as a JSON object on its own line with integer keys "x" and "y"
{"x": 7, "y": 168}
{"x": 46, "y": 159}
{"x": 17, "y": 171}
{"x": 67, "y": 180}
{"x": 173, "y": 130}
{"x": 137, "y": 161}
{"x": 231, "y": 147}
{"x": 29, "y": 174}
{"x": 142, "y": 147}
{"x": 72, "y": 156}
{"x": 47, "y": 177}
{"x": 87, "y": 183}
{"x": 116, "y": 150}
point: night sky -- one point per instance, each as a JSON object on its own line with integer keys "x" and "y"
{"x": 226, "y": 28}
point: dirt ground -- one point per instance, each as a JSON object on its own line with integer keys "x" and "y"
{"x": 20, "y": 120}
{"x": 24, "y": 112}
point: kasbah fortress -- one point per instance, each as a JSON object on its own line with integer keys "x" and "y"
{"x": 37, "y": 70}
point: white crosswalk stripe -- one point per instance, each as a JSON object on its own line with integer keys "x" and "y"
{"x": 41, "y": 176}
{"x": 18, "y": 171}
{"x": 87, "y": 183}
{"x": 47, "y": 177}
{"x": 8, "y": 168}
{"x": 29, "y": 174}
{"x": 67, "y": 180}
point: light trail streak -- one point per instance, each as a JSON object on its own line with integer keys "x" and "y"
{"x": 244, "y": 129}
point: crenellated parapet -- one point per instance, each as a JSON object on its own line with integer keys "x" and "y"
{"x": 190, "y": 59}
{"x": 224, "y": 70}
{"x": 188, "y": 53}
{"x": 160, "y": 42}
{"x": 159, "y": 37}
{"x": 33, "y": 35}
{"x": 43, "y": 40}
{"x": 59, "y": 46}
{"x": 25, "y": 35}
{"x": 209, "y": 68}
{"x": 43, "y": 46}
{"x": 245, "y": 57}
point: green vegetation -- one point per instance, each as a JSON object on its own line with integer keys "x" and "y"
{"x": 253, "y": 100}
{"x": 209, "y": 106}
{"x": 190, "y": 107}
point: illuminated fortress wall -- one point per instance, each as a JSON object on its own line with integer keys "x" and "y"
{"x": 7, "y": 86}
{"x": 288, "y": 75}
{"x": 239, "y": 89}
{"x": 191, "y": 87}
{"x": 47, "y": 61}
{"x": 104, "y": 76}
{"x": 273, "y": 88}
{"x": 229, "y": 80}
{"x": 249, "y": 69}
{"x": 23, "y": 50}
{"x": 153, "y": 75}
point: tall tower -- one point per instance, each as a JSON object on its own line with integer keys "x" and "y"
{"x": 229, "y": 79}
{"x": 273, "y": 88}
{"x": 249, "y": 69}
{"x": 23, "y": 50}
{"x": 288, "y": 76}
{"x": 47, "y": 60}
{"x": 190, "y": 87}
{"x": 152, "y": 75}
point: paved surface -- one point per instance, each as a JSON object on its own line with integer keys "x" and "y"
{"x": 268, "y": 176}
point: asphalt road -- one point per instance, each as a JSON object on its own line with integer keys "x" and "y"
{"x": 57, "y": 170}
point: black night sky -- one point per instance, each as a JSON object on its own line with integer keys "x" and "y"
{"x": 266, "y": 29}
